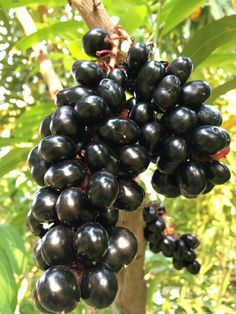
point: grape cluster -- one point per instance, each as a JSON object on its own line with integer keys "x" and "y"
{"x": 181, "y": 249}
{"x": 94, "y": 146}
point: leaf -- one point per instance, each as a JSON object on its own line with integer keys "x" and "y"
{"x": 12, "y": 244}
{"x": 222, "y": 89}
{"x": 67, "y": 30}
{"x": 174, "y": 12}
{"x": 130, "y": 23}
{"x": 218, "y": 60}
{"x": 11, "y": 160}
{"x": 10, "y": 4}
{"x": 210, "y": 37}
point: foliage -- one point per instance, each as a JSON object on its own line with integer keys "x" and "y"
{"x": 202, "y": 29}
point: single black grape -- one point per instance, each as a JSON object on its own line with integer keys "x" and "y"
{"x": 44, "y": 128}
{"x": 194, "y": 93}
{"x": 168, "y": 246}
{"x": 142, "y": 113}
{"x": 151, "y": 136}
{"x": 194, "y": 267}
{"x": 166, "y": 184}
{"x": 217, "y": 172}
{"x": 119, "y": 76}
{"x": 208, "y": 115}
{"x": 35, "y": 226}
{"x": 40, "y": 262}
{"x": 69, "y": 96}
{"x": 137, "y": 56}
{"x": 95, "y": 40}
{"x": 87, "y": 73}
{"x": 182, "y": 68}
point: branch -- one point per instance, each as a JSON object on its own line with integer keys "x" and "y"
{"x": 45, "y": 65}
{"x": 132, "y": 289}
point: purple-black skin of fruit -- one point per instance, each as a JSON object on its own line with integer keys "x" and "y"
{"x": 148, "y": 78}
{"x": 157, "y": 226}
{"x": 155, "y": 247}
{"x": 95, "y": 40}
{"x": 192, "y": 179}
{"x": 208, "y": 188}
{"x": 44, "y": 129}
{"x": 64, "y": 174}
{"x": 150, "y": 213}
{"x": 208, "y": 115}
{"x": 99, "y": 156}
{"x": 102, "y": 189}
{"x": 190, "y": 256}
{"x": 180, "y": 120}
{"x": 119, "y": 76}
{"x": 43, "y": 204}
{"x": 194, "y": 93}
{"x": 182, "y": 68}
{"x": 209, "y": 139}
{"x": 130, "y": 196}
{"x": 172, "y": 152}
{"x": 69, "y": 96}
{"x": 40, "y": 262}
{"x": 108, "y": 217}
{"x": 119, "y": 131}
{"x": 181, "y": 250}
{"x": 142, "y": 113}
{"x": 130, "y": 103}
{"x": 138, "y": 55}
{"x": 35, "y": 226}
{"x": 217, "y": 172}
{"x": 91, "y": 109}
{"x": 122, "y": 248}
{"x": 190, "y": 240}
{"x": 54, "y": 148}
{"x": 194, "y": 267}
{"x": 133, "y": 159}
{"x": 153, "y": 237}
{"x": 57, "y": 246}
{"x": 165, "y": 184}
{"x": 168, "y": 246}
{"x": 71, "y": 207}
{"x": 112, "y": 93}
{"x": 64, "y": 122}
{"x": 165, "y": 95}
{"x": 58, "y": 289}
{"x": 98, "y": 286}
{"x": 178, "y": 264}
{"x": 151, "y": 136}
{"x": 87, "y": 73}
{"x": 90, "y": 243}
{"x": 38, "y": 305}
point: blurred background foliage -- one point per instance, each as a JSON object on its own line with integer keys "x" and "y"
{"x": 202, "y": 29}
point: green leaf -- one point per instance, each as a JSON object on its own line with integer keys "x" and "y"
{"x": 175, "y": 12}
{"x": 12, "y": 159}
{"x": 210, "y": 37}
{"x": 67, "y": 30}
{"x": 222, "y": 89}
{"x": 12, "y": 244}
{"x": 218, "y": 60}
{"x": 133, "y": 17}
{"x": 10, "y": 4}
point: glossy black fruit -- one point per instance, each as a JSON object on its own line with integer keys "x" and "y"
{"x": 168, "y": 246}
{"x": 217, "y": 172}
{"x": 166, "y": 184}
{"x": 194, "y": 93}
{"x": 40, "y": 262}
{"x": 34, "y": 226}
{"x": 90, "y": 243}
{"x": 178, "y": 264}
{"x": 192, "y": 179}
{"x": 190, "y": 256}
{"x": 95, "y": 40}
{"x": 166, "y": 94}
{"x": 91, "y": 109}
{"x": 181, "y": 250}
{"x": 64, "y": 122}
{"x": 119, "y": 131}
{"x": 209, "y": 139}
{"x": 108, "y": 217}
{"x": 180, "y": 120}
{"x": 182, "y": 68}
{"x": 38, "y": 305}
{"x": 208, "y": 115}
{"x": 157, "y": 226}
{"x": 137, "y": 56}
{"x": 87, "y": 73}
{"x": 148, "y": 78}
{"x": 155, "y": 247}
{"x": 98, "y": 286}
{"x": 102, "y": 189}
{"x": 44, "y": 129}
{"x": 57, "y": 246}
{"x": 69, "y": 96}
{"x": 130, "y": 196}
{"x": 112, "y": 93}
{"x": 194, "y": 268}
{"x": 171, "y": 153}
{"x": 133, "y": 159}
{"x": 152, "y": 236}
{"x": 150, "y": 213}
{"x": 58, "y": 290}
{"x": 43, "y": 204}
{"x": 208, "y": 188}
{"x": 122, "y": 248}
{"x": 54, "y": 148}
{"x": 119, "y": 76}
{"x": 71, "y": 207}
{"x": 190, "y": 240}
{"x": 130, "y": 103}
{"x": 151, "y": 136}
{"x": 64, "y": 174}
{"x": 142, "y": 113}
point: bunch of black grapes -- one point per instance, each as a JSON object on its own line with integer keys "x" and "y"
{"x": 181, "y": 249}
{"x": 94, "y": 146}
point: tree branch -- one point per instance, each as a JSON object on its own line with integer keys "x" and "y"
{"x": 45, "y": 65}
{"x": 131, "y": 296}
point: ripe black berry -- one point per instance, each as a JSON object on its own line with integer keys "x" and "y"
{"x": 208, "y": 115}
{"x": 69, "y": 96}
{"x": 40, "y": 262}
{"x": 95, "y": 40}
{"x": 108, "y": 217}
{"x": 194, "y": 93}
{"x": 142, "y": 113}
{"x": 168, "y": 246}
{"x": 87, "y": 73}
{"x": 44, "y": 129}
{"x": 190, "y": 240}
{"x": 35, "y": 226}
{"x": 137, "y": 56}
{"x": 194, "y": 267}
{"x": 182, "y": 68}
{"x": 217, "y": 172}
{"x": 119, "y": 76}
{"x": 166, "y": 184}
{"x": 151, "y": 136}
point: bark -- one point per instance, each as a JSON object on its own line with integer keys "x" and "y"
{"x": 131, "y": 297}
